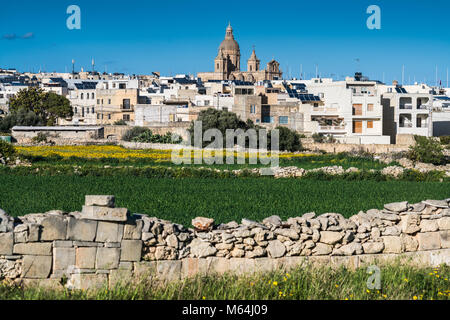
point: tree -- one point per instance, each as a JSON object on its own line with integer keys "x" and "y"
{"x": 428, "y": 150}
{"x": 47, "y": 105}
{"x": 223, "y": 120}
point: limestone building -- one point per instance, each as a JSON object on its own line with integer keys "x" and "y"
{"x": 227, "y": 64}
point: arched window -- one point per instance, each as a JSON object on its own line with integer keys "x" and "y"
{"x": 93, "y": 96}
{"x": 82, "y": 96}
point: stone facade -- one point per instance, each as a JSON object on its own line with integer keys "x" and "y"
{"x": 103, "y": 245}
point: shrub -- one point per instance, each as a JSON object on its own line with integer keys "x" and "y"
{"x": 289, "y": 140}
{"x": 428, "y": 150}
{"x": 318, "y": 137}
{"x": 6, "y": 151}
{"x": 120, "y": 123}
{"x": 445, "y": 140}
{"x": 134, "y": 132}
{"x": 41, "y": 137}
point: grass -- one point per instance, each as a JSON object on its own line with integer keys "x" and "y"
{"x": 398, "y": 282}
{"x": 180, "y": 200}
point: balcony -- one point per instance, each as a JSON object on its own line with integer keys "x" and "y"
{"x": 127, "y": 108}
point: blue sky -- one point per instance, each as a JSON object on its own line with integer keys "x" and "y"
{"x": 181, "y": 36}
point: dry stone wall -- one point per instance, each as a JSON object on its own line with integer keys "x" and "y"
{"x": 104, "y": 245}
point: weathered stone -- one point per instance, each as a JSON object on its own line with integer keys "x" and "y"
{"x": 322, "y": 249}
{"x": 391, "y": 231}
{"x": 169, "y": 270}
{"x": 107, "y": 258}
{"x": 112, "y": 245}
{"x": 34, "y": 248}
{"x": 172, "y": 241}
{"x": 62, "y": 244}
{"x": 105, "y": 213}
{"x": 85, "y": 257}
{"x": 53, "y": 228}
{"x": 289, "y": 233}
{"x": 409, "y": 243}
{"x": 87, "y": 281}
{"x": 6, "y": 243}
{"x": 392, "y": 244}
{"x": 429, "y": 240}
{"x": 81, "y": 229}
{"x": 445, "y": 238}
{"x": 120, "y": 278}
{"x": 256, "y": 252}
{"x": 87, "y": 244}
{"x": 109, "y": 232}
{"x": 349, "y": 249}
{"x": 273, "y": 221}
{"x": 36, "y": 267}
{"x": 133, "y": 229}
{"x": 444, "y": 223}
{"x": 224, "y": 246}
{"x": 131, "y": 250}
{"x": 202, "y": 223}
{"x": 373, "y": 247}
{"x": 428, "y": 226}
{"x": 100, "y": 200}
{"x": 237, "y": 253}
{"x": 410, "y": 223}
{"x": 397, "y": 206}
{"x": 63, "y": 258}
{"x": 201, "y": 249}
{"x": 147, "y": 236}
{"x": 276, "y": 249}
{"x": 330, "y": 237}
{"x": 436, "y": 203}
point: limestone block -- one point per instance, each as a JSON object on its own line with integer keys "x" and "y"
{"x": 109, "y": 232}
{"x": 444, "y": 223}
{"x": 429, "y": 240}
{"x": 87, "y": 281}
{"x": 85, "y": 257}
{"x": 373, "y": 247}
{"x": 62, "y": 244}
{"x": 397, "y": 206}
{"x": 100, "y": 200}
{"x": 81, "y": 229}
{"x": 63, "y": 258}
{"x": 276, "y": 249}
{"x": 131, "y": 250}
{"x": 107, "y": 258}
{"x": 330, "y": 237}
{"x": 53, "y": 228}
{"x": 350, "y": 262}
{"x": 409, "y": 243}
{"x": 392, "y": 244}
{"x": 133, "y": 229}
{"x": 410, "y": 223}
{"x": 105, "y": 213}
{"x": 189, "y": 267}
{"x": 322, "y": 249}
{"x": 144, "y": 269}
{"x": 240, "y": 266}
{"x": 169, "y": 270}
{"x": 36, "y": 267}
{"x": 120, "y": 278}
{"x": 34, "y": 248}
{"x": 428, "y": 226}
{"x": 445, "y": 238}
{"x": 6, "y": 243}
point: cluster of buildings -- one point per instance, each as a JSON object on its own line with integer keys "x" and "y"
{"x": 354, "y": 110}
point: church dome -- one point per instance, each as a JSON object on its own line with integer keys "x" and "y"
{"x": 229, "y": 44}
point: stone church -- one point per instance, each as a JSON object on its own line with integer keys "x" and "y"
{"x": 227, "y": 64}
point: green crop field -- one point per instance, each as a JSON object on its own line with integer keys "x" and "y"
{"x": 180, "y": 200}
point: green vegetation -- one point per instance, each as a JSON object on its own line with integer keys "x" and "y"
{"x": 6, "y": 150}
{"x": 46, "y": 105}
{"x": 289, "y": 140}
{"x": 428, "y": 150}
{"x": 398, "y": 282}
{"x": 141, "y": 134}
{"x": 224, "y": 200}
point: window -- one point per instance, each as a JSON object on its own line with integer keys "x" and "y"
{"x": 109, "y": 101}
{"x": 316, "y": 105}
{"x": 93, "y": 110}
{"x": 82, "y": 111}
{"x": 206, "y": 102}
{"x": 370, "y": 124}
{"x": 93, "y": 96}
{"x": 357, "y": 126}
{"x": 82, "y": 95}
{"x": 98, "y": 101}
{"x": 252, "y": 108}
{"x": 370, "y": 107}
{"x": 126, "y": 117}
{"x": 109, "y": 116}
{"x": 122, "y": 86}
{"x": 75, "y": 110}
{"x": 267, "y": 119}
{"x": 357, "y": 109}
{"x": 126, "y": 104}
{"x": 283, "y": 120}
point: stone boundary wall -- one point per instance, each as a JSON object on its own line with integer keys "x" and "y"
{"x": 104, "y": 245}
{"x": 343, "y": 147}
